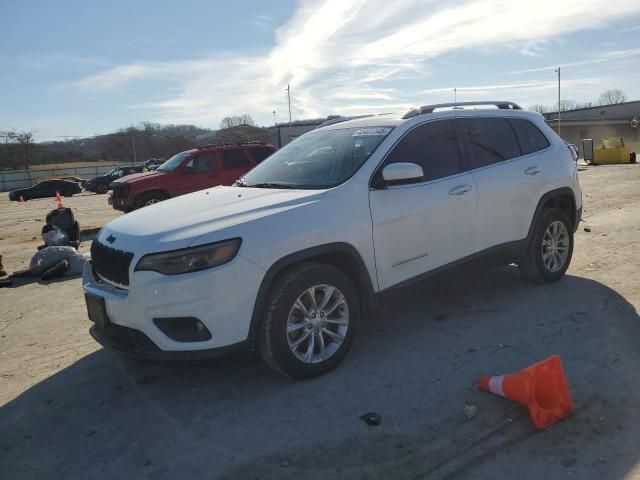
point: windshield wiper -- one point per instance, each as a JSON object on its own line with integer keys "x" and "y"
{"x": 268, "y": 185}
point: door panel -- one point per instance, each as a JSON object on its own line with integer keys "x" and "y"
{"x": 425, "y": 225}
{"x": 199, "y": 172}
{"x": 507, "y": 182}
{"x": 235, "y": 163}
{"x": 417, "y": 228}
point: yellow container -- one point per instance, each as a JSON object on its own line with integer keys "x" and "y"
{"x": 612, "y": 150}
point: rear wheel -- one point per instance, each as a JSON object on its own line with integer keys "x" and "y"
{"x": 150, "y": 198}
{"x": 549, "y": 248}
{"x": 310, "y": 321}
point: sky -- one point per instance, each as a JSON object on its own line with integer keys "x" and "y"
{"x": 86, "y": 67}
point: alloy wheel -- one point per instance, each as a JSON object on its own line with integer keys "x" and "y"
{"x": 555, "y": 246}
{"x": 318, "y": 323}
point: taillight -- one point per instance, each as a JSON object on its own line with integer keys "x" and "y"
{"x": 574, "y": 151}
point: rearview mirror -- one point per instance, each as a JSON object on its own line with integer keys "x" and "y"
{"x": 399, "y": 173}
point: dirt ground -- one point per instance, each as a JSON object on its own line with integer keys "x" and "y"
{"x": 69, "y": 409}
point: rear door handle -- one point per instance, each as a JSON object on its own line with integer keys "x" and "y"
{"x": 532, "y": 171}
{"x": 460, "y": 190}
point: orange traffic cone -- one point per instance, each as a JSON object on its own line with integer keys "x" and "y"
{"x": 59, "y": 200}
{"x": 542, "y": 387}
{"x": 21, "y": 199}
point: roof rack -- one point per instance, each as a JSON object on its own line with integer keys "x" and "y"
{"x": 231, "y": 144}
{"x": 502, "y": 105}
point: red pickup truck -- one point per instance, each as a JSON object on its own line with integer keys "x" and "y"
{"x": 188, "y": 172}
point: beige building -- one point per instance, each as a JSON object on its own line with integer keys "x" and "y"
{"x": 596, "y": 123}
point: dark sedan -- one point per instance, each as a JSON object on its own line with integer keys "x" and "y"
{"x": 47, "y": 188}
{"x": 101, "y": 183}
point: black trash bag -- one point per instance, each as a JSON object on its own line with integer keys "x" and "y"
{"x": 62, "y": 219}
{"x": 57, "y": 270}
{"x": 50, "y": 257}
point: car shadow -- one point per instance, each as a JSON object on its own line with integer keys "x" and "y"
{"x": 416, "y": 366}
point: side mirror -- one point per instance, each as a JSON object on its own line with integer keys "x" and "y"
{"x": 400, "y": 173}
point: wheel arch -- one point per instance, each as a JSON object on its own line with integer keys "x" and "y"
{"x": 561, "y": 198}
{"x": 342, "y": 256}
{"x": 161, "y": 191}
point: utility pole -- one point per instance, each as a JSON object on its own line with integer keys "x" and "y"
{"x": 558, "y": 72}
{"x": 455, "y": 95}
{"x": 274, "y": 118}
{"x": 290, "y": 123}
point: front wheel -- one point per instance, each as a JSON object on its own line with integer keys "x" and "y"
{"x": 310, "y": 321}
{"x": 150, "y": 198}
{"x": 549, "y": 248}
{"x": 102, "y": 189}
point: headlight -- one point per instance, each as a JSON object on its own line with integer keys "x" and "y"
{"x": 191, "y": 259}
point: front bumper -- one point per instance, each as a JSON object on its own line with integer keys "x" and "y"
{"x": 122, "y": 204}
{"x": 129, "y": 343}
{"x": 222, "y": 298}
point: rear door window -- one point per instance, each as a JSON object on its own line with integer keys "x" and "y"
{"x": 489, "y": 140}
{"x": 205, "y": 162}
{"x": 234, "y": 158}
{"x": 530, "y": 137}
{"x": 259, "y": 154}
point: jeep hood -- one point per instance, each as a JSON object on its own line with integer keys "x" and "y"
{"x": 135, "y": 177}
{"x": 178, "y": 222}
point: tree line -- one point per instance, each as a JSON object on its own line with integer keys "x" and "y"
{"x": 608, "y": 97}
{"x": 19, "y": 150}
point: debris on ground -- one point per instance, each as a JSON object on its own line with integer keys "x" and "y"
{"x": 5, "y": 280}
{"x": 470, "y": 411}
{"x": 61, "y": 228}
{"x": 587, "y": 229}
{"x": 371, "y": 418}
{"x": 50, "y": 257}
{"x": 58, "y": 270}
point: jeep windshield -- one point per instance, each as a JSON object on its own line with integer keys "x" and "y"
{"x": 174, "y": 162}
{"x": 317, "y": 160}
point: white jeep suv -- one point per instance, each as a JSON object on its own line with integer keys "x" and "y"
{"x": 295, "y": 255}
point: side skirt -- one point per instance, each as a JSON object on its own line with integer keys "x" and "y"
{"x": 497, "y": 255}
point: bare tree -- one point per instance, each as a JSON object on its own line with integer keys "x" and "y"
{"x": 611, "y": 96}
{"x": 235, "y": 120}
{"x": 540, "y": 108}
{"x": 24, "y": 139}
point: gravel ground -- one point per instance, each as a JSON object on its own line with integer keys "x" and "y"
{"x": 69, "y": 409}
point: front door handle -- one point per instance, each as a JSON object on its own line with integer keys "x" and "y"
{"x": 460, "y": 190}
{"x": 532, "y": 171}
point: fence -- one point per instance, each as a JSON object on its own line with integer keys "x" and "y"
{"x": 13, "y": 179}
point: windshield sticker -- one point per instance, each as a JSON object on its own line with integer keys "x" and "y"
{"x": 368, "y": 132}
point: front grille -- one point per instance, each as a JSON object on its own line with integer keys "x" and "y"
{"x": 119, "y": 191}
{"x": 110, "y": 263}
{"x": 127, "y": 338}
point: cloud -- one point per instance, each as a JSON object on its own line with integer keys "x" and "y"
{"x": 340, "y": 56}
{"x": 265, "y": 22}
{"x": 606, "y": 57}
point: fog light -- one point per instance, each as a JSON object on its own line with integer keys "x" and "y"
{"x": 183, "y": 329}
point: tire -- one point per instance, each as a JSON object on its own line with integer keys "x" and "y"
{"x": 533, "y": 265}
{"x": 102, "y": 188}
{"x": 149, "y": 198}
{"x": 281, "y": 312}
